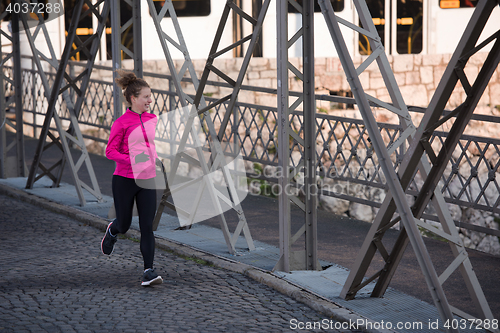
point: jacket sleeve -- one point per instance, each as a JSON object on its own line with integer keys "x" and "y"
{"x": 113, "y": 152}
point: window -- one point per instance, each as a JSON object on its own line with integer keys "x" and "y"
{"x": 186, "y": 8}
{"x": 409, "y": 27}
{"x": 126, "y": 38}
{"x": 338, "y": 6}
{"x": 83, "y": 30}
{"x": 457, "y": 3}
{"x": 377, "y": 11}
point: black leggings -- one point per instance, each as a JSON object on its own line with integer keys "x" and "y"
{"x": 124, "y": 192}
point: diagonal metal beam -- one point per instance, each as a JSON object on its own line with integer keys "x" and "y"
{"x": 193, "y": 110}
{"x": 399, "y": 183}
{"x": 214, "y": 53}
{"x": 61, "y": 88}
{"x": 429, "y": 190}
{"x": 393, "y": 181}
{"x": 474, "y": 93}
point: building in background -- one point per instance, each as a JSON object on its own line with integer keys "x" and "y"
{"x": 405, "y": 27}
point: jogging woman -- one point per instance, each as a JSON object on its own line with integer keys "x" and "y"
{"x": 131, "y": 146}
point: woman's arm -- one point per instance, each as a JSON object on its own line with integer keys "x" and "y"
{"x": 113, "y": 148}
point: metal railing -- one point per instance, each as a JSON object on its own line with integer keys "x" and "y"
{"x": 344, "y": 152}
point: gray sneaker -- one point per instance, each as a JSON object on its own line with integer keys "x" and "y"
{"x": 150, "y": 278}
{"x": 108, "y": 242}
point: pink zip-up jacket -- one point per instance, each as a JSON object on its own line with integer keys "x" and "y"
{"x": 133, "y": 134}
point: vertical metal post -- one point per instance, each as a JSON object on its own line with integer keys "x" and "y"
{"x": 136, "y": 17}
{"x": 33, "y": 93}
{"x": 311, "y": 190}
{"x": 117, "y": 48}
{"x": 17, "y": 162}
{"x": 3, "y": 116}
{"x": 237, "y": 31}
{"x": 116, "y": 33}
{"x": 299, "y": 259}
{"x": 18, "y": 81}
{"x": 171, "y": 117}
{"x": 256, "y": 8}
{"x": 283, "y": 135}
{"x": 3, "y": 139}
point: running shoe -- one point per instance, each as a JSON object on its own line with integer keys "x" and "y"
{"x": 108, "y": 242}
{"x": 150, "y": 278}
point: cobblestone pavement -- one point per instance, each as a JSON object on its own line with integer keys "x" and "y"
{"x": 53, "y": 278}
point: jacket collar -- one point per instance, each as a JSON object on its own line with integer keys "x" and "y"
{"x": 129, "y": 110}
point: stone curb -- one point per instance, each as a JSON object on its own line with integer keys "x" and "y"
{"x": 316, "y": 302}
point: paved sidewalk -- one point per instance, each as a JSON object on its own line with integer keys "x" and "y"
{"x": 53, "y": 278}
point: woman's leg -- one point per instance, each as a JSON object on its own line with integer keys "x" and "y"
{"x": 124, "y": 191}
{"x": 146, "y": 207}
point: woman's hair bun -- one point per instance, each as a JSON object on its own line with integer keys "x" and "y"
{"x": 125, "y": 79}
{"x": 130, "y": 84}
